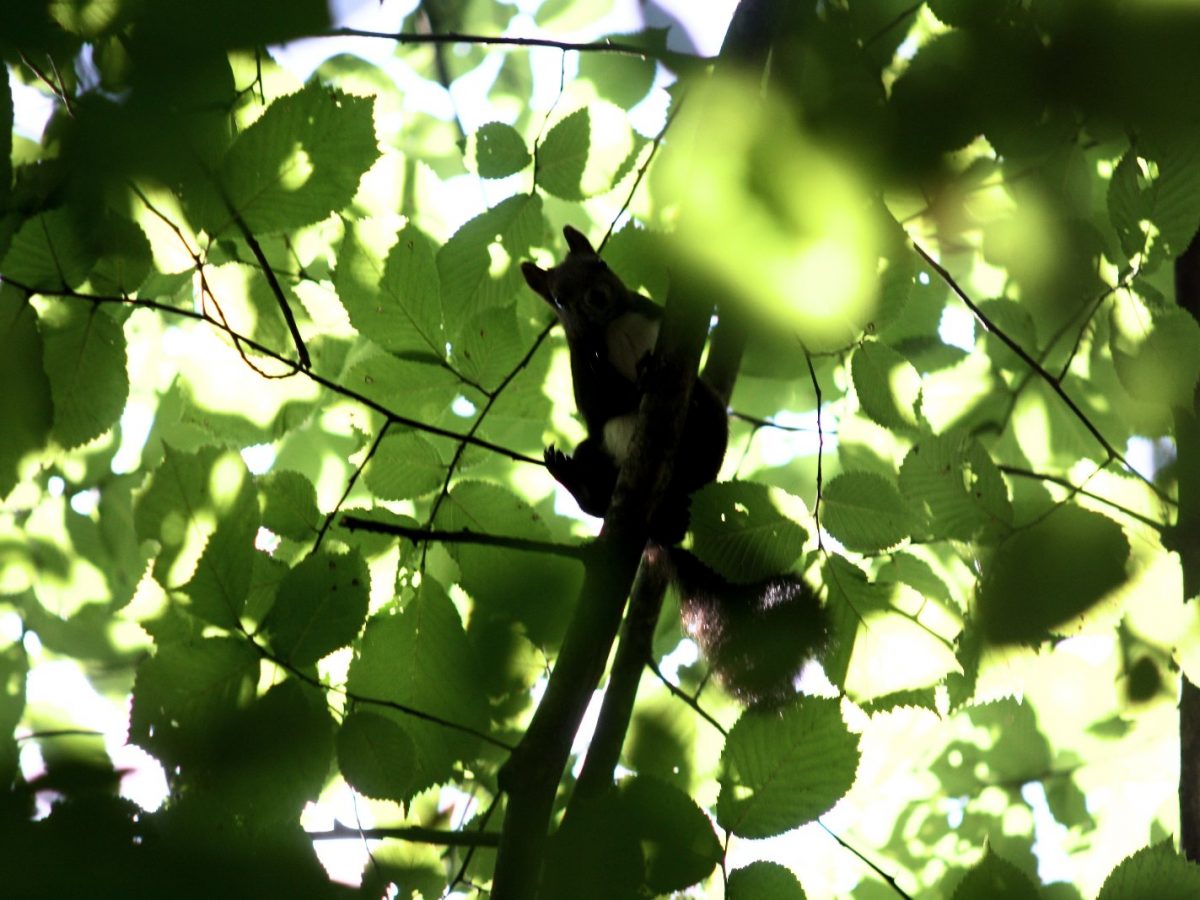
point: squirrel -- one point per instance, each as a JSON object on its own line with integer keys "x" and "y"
{"x": 756, "y": 637}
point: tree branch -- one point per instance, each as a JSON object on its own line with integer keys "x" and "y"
{"x": 465, "y": 536}
{"x": 412, "y": 833}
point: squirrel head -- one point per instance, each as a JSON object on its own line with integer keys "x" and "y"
{"x": 582, "y": 290}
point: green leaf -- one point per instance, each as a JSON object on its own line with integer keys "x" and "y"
{"x": 49, "y": 252}
{"x": 1047, "y": 574}
{"x": 6, "y": 147}
{"x": 783, "y": 768}
{"x": 505, "y": 232}
{"x": 646, "y": 838}
{"x": 405, "y": 466}
{"x": 272, "y": 757}
{"x": 563, "y": 154}
{"x": 993, "y": 876}
{"x": 84, "y": 358}
{"x": 290, "y": 505}
{"x": 489, "y": 347}
{"x": 14, "y": 669}
{"x": 1156, "y": 352}
{"x": 1156, "y": 211}
{"x": 299, "y": 162}
{"x": 321, "y": 606}
{"x": 219, "y": 586}
{"x": 396, "y": 303}
{"x": 955, "y": 489}
{"x": 376, "y": 756}
{"x": 499, "y": 151}
{"x": 865, "y": 512}
{"x": 621, "y": 78}
{"x": 1152, "y": 873}
{"x": 763, "y": 881}
{"x": 678, "y": 843}
{"x": 1014, "y": 320}
{"x": 497, "y": 580}
{"x": 888, "y": 386}
{"x": 26, "y": 408}
{"x": 418, "y": 390}
{"x": 186, "y": 692}
{"x": 125, "y": 259}
{"x": 420, "y": 658}
{"x": 747, "y": 531}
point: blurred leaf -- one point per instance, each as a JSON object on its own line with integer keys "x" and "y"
{"x": 1047, "y": 574}
{"x": 1156, "y": 353}
{"x": 25, "y": 403}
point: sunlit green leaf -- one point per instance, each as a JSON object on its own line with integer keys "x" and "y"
{"x": 500, "y": 151}
{"x": 563, "y": 154}
{"x": 405, "y": 465}
{"x": 746, "y": 531}
{"x": 954, "y": 486}
{"x": 84, "y": 356}
{"x": 995, "y": 877}
{"x": 865, "y": 511}
{"x": 1154, "y": 871}
{"x": 888, "y": 386}
{"x": 781, "y": 769}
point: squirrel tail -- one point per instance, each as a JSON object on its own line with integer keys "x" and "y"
{"x": 757, "y": 637}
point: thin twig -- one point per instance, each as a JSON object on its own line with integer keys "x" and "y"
{"x": 464, "y": 536}
{"x": 888, "y": 879}
{"x": 412, "y": 833}
{"x": 455, "y": 37}
{"x": 276, "y": 288}
{"x": 1063, "y": 482}
{"x": 686, "y": 697}
{"x": 1036, "y": 367}
{"x": 324, "y": 382}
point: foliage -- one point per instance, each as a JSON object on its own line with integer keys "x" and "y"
{"x": 272, "y": 383}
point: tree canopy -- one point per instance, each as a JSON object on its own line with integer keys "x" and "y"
{"x": 275, "y": 398}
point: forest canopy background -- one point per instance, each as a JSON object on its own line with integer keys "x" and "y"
{"x": 270, "y": 371}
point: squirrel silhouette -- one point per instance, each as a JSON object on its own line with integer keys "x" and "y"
{"x": 757, "y": 636}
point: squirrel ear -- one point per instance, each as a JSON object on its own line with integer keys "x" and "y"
{"x": 577, "y": 242}
{"x": 537, "y": 278}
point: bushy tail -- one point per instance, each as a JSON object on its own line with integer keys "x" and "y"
{"x": 757, "y": 637}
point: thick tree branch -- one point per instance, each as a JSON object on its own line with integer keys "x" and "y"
{"x": 532, "y": 773}
{"x": 637, "y": 638}
{"x": 1184, "y": 538}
